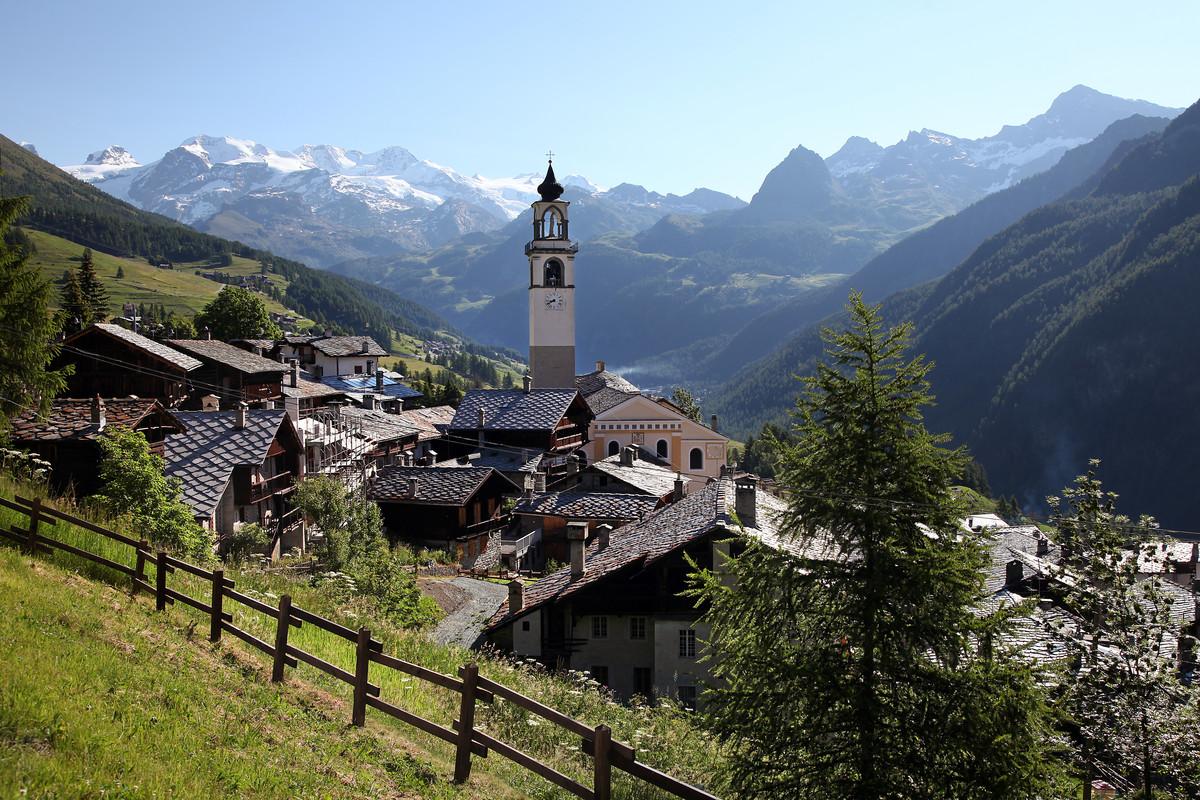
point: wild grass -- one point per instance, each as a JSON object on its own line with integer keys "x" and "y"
{"x": 665, "y": 736}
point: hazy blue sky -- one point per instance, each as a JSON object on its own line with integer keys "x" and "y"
{"x": 672, "y": 95}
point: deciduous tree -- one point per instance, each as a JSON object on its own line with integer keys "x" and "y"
{"x": 237, "y": 313}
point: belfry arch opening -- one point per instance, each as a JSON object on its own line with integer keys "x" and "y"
{"x": 553, "y": 273}
{"x": 552, "y": 225}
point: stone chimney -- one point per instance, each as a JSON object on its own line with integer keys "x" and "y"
{"x": 599, "y": 365}
{"x": 206, "y": 334}
{"x": 527, "y": 382}
{"x": 677, "y": 494}
{"x": 365, "y": 347}
{"x": 209, "y": 402}
{"x": 480, "y": 421}
{"x": 369, "y": 401}
{"x": 294, "y": 370}
{"x": 746, "y": 500}
{"x": 379, "y": 379}
{"x": 1043, "y": 544}
{"x": 407, "y": 458}
{"x": 528, "y": 486}
{"x": 629, "y": 454}
{"x": 603, "y": 535}
{"x": 412, "y": 487}
{"x": 239, "y": 416}
{"x": 576, "y": 538}
{"x": 98, "y": 415}
{"x": 539, "y": 481}
{"x": 516, "y": 596}
{"x": 1014, "y": 573}
{"x": 714, "y": 424}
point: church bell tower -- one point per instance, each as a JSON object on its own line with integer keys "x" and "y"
{"x": 551, "y": 290}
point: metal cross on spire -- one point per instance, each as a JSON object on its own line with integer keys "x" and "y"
{"x": 550, "y": 155}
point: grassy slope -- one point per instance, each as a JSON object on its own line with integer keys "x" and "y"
{"x": 664, "y": 737}
{"x": 101, "y": 698}
{"x": 180, "y": 289}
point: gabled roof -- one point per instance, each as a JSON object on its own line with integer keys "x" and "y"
{"x": 228, "y": 355}
{"x": 205, "y": 456}
{"x": 308, "y": 387}
{"x": 380, "y": 426}
{"x": 663, "y": 532}
{"x": 590, "y": 383}
{"x": 607, "y": 398}
{"x": 1018, "y": 542}
{"x": 338, "y": 346}
{"x": 431, "y": 422}
{"x": 502, "y": 459}
{"x": 72, "y": 419}
{"x": 513, "y": 409}
{"x": 438, "y": 486}
{"x": 367, "y": 384}
{"x": 136, "y": 340}
{"x": 580, "y": 505}
{"x": 647, "y": 473}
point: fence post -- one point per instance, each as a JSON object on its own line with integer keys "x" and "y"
{"x": 160, "y": 581}
{"x": 139, "y": 569}
{"x": 466, "y": 722}
{"x": 602, "y": 768}
{"x": 218, "y": 596}
{"x": 281, "y": 637}
{"x": 35, "y": 511}
{"x": 362, "y": 664}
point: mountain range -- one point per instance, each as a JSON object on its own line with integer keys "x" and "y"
{"x": 1067, "y": 335}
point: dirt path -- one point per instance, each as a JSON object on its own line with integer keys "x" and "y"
{"x": 466, "y": 613}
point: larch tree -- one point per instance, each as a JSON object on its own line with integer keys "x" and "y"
{"x": 686, "y": 403}
{"x": 27, "y": 328}
{"x": 858, "y": 661}
{"x": 1132, "y": 719}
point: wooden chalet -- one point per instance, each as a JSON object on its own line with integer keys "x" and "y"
{"x": 458, "y": 509}
{"x": 553, "y": 421}
{"x": 235, "y": 375}
{"x": 67, "y": 436}
{"x": 111, "y": 361}
{"x": 240, "y": 467}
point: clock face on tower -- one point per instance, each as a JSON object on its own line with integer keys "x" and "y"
{"x": 554, "y": 300}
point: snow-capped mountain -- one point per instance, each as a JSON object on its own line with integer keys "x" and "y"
{"x": 324, "y": 203}
{"x": 958, "y": 171}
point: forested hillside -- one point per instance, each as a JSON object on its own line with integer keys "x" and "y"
{"x": 87, "y": 216}
{"x": 1068, "y": 335}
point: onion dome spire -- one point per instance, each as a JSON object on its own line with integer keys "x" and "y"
{"x": 550, "y": 189}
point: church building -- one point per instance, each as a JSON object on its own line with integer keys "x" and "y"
{"x": 551, "y": 290}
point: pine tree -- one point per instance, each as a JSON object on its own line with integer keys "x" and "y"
{"x": 27, "y": 328}
{"x": 686, "y": 403}
{"x": 74, "y": 311}
{"x": 1128, "y": 711}
{"x": 93, "y": 290}
{"x": 864, "y": 668}
{"x": 120, "y": 272}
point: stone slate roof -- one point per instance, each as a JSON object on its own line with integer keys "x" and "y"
{"x": 204, "y": 457}
{"x": 430, "y": 422}
{"x": 513, "y": 409}
{"x": 498, "y": 459}
{"x": 579, "y": 505}
{"x": 308, "y": 387}
{"x": 337, "y": 346}
{"x": 646, "y": 474}
{"x": 1014, "y": 542}
{"x": 590, "y": 383}
{"x": 380, "y": 426}
{"x": 72, "y": 419}
{"x": 143, "y": 343}
{"x": 439, "y": 486}
{"x": 228, "y": 355}
{"x": 365, "y": 384}
{"x": 607, "y": 398}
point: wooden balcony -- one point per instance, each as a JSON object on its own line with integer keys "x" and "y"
{"x": 263, "y": 490}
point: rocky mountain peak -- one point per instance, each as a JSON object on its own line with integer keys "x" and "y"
{"x": 112, "y": 156}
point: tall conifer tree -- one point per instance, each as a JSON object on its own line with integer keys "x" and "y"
{"x": 93, "y": 290}
{"x": 27, "y": 328}
{"x": 856, "y": 662}
{"x": 74, "y": 311}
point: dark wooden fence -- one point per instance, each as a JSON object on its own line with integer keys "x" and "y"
{"x": 472, "y": 687}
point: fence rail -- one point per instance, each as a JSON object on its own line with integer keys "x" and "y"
{"x": 472, "y": 688}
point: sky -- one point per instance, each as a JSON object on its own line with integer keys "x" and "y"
{"x": 670, "y": 95}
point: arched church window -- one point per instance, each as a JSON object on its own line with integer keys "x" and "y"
{"x": 696, "y": 459}
{"x": 662, "y": 448}
{"x": 614, "y": 447}
{"x": 554, "y": 273}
